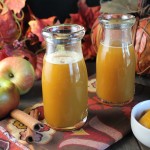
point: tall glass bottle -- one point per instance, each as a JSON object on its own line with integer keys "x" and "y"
{"x": 115, "y": 64}
{"x": 64, "y": 77}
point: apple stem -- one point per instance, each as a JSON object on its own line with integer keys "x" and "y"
{"x": 25, "y": 57}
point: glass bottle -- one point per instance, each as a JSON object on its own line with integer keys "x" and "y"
{"x": 64, "y": 77}
{"x": 115, "y": 64}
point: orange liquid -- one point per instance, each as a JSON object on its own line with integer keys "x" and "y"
{"x": 64, "y": 84}
{"x": 115, "y": 74}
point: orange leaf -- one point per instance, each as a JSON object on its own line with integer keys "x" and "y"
{"x": 77, "y": 19}
{"x": 90, "y": 14}
{"x": 36, "y": 28}
{"x": 3, "y": 9}
{"x": 8, "y": 28}
{"x": 49, "y": 21}
{"x": 140, "y": 41}
{"x": 38, "y": 24}
{"x": 15, "y": 5}
{"x": 87, "y": 47}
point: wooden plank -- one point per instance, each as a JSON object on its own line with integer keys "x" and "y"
{"x": 127, "y": 143}
{"x": 142, "y": 80}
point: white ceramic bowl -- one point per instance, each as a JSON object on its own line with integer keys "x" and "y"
{"x": 140, "y": 132}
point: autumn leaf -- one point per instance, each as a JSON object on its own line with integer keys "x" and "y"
{"x": 3, "y": 9}
{"x": 15, "y": 5}
{"x": 77, "y": 19}
{"x": 142, "y": 43}
{"x": 90, "y": 14}
{"x": 38, "y": 24}
{"x": 36, "y": 28}
{"x": 2, "y": 54}
{"x": 96, "y": 34}
{"x": 8, "y": 28}
{"x": 49, "y": 21}
{"x": 86, "y": 16}
{"x": 87, "y": 47}
{"x": 39, "y": 65}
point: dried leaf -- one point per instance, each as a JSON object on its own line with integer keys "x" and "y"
{"x": 2, "y": 54}
{"x": 142, "y": 43}
{"x": 15, "y": 5}
{"x": 49, "y": 21}
{"x": 142, "y": 47}
{"x": 139, "y": 34}
{"x": 118, "y": 6}
{"x": 87, "y": 47}
{"x": 77, "y": 19}
{"x": 3, "y": 9}
{"x": 36, "y": 28}
{"x": 38, "y": 24}
{"x": 96, "y": 34}
{"x": 8, "y": 28}
{"x": 90, "y": 14}
{"x": 39, "y": 65}
{"x": 86, "y": 17}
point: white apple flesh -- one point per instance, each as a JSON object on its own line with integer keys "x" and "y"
{"x": 19, "y": 71}
{"x": 9, "y": 97}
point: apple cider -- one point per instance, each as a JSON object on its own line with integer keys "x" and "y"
{"x": 115, "y": 73}
{"x": 64, "y": 85}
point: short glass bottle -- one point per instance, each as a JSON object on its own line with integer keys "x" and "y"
{"x": 115, "y": 64}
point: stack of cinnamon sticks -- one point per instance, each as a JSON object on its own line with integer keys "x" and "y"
{"x": 31, "y": 121}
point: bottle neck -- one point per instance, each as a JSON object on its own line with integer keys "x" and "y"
{"x": 117, "y": 37}
{"x": 52, "y": 47}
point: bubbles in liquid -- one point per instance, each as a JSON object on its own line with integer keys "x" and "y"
{"x": 63, "y": 57}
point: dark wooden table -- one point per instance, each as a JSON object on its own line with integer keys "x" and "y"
{"x": 129, "y": 142}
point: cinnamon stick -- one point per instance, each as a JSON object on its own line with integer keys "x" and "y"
{"x": 27, "y": 120}
{"x": 29, "y": 133}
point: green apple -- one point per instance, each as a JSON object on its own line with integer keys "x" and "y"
{"x": 9, "y": 97}
{"x": 19, "y": 71}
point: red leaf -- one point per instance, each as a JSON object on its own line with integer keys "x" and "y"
{"x": 90, "y": 14}
{"x": 36, "y": 28}
{"x": 3, "y": 9}
{"x": 140, "y": 41}
{"x": 96, "y": 34}
{"x": 49, "y": 21}
{"x": 87, "y": 47}
{"x": 39, "y": 65}
{"x": 15, "y": 5}
{"x": 38, "y": 24}
{"x": 8, "y": 28}
{"x": 86, "y": 16}
{"x": 77, "y": 19}
{"x": 2, "y": 54}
